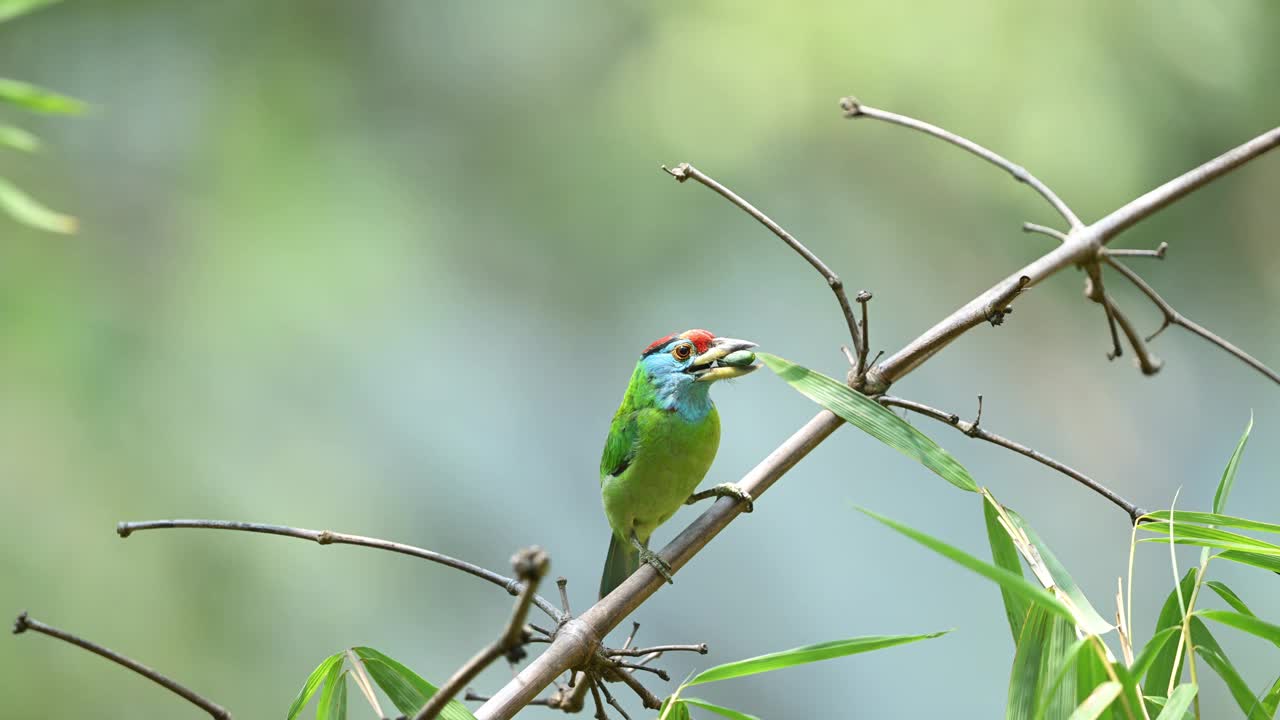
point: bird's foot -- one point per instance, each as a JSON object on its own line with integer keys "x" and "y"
{"x": 724, "y": 490}
{"x": 655, "y": 560}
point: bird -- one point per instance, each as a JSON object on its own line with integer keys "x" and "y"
{"x": 661, "y": 443}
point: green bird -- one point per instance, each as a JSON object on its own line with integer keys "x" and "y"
{"x": 662, "y": 442}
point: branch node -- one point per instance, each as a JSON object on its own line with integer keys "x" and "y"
{"x": 851, "y": 107}
{"x": 680, "y": 173}
{"x": 562, "y": 583}
{"x": 325, "y": 537}
{"x": 123, "y": 529}
{"x": 20, "y": 625}
{"x": 973, "y": 430}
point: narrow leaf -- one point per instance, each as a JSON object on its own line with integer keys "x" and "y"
{"x": 1229, "y": 474}
{"x": 1086, "y": 616}
{"x": 1157, "y": 644}
{"x": 1006, "y": 579}
{"x": 1005, "y": 556}
{"x": 1266, "y": 562}
{"x": 1248, "y": 623}
{"x": 804, "y": 655}
{"x": 1176, "y": 706}
{"x": 333, "y": 699}
{"x": 719, "y": 710}
{"x": 1271, "y": 701}
{"x": 1230, "y": 596}
{"x": 18, "y": 139}
{"x": 1068, "y": 669}
{"x": 10, "y": 9}
{"x": 1101, "y": 697}
{"x": 405, "y": 688}
{"x": 1204, "y": 518}
{"x": 23, "y": 208}
{"x": 37, "y": 99}
{"x": 312, "y": 684}
{"x": 1211, "y": 652}
{"x": 1208, "y": 537}
{"x": 1160, "y": 669}
{"x": 1043, "y": 655}
{"x": 872, "y": 418}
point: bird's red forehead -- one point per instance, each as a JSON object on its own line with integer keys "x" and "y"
{"x": 701, "y": 340}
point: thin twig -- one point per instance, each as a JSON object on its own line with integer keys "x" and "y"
{"x": 1095, "y": 292}
{"x": 1173, "y": 317}
{"x": 648, "y": 699}
{"x": 608, "y": 696}
{"x": 974, "y": 431}
{"x": 328, "y": 537}
{"x": 863, "y": 298}
{"x": 1158, "y": 253}
{"x": 635, "y": 628}
{"x": 24, "y": 623}
{"x": 636, "y": 666}
{"x": 1147, "y": 362}
{"x": 595, "y": 695}
{"x": 1029, "y": 227}
{"x": 700, "y": 648}
{"x": 472, "y": 696}
{"x": 562, "y": 583}
{"x": 854, "y": 109}
{"x": 530, "y": 564}
{"x": 684, "y": 171}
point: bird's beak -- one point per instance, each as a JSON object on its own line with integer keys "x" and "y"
{"x": 726, "y": 358}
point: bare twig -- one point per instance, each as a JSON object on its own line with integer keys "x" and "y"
{"x": 1158, "y": 253}
{"x": 1029, "y": 227}
{"x": 562, "y": 584}
{"x": 328, "y": 537}
{"x": 637, "y": 666}
{"x": 648, "y": 699}
{"x": 24, "y": 623}
{"x": 854, "y": 109}
{"x": 595, "y": 695}
{"x": 530, "y": 565}
{"x": 472, "y": 696}
{"x": 974, "y": 431}
{"x": 1094, "y": 290}
{"x": 608, "y": 696}
{"x": 578, "y": 638}
{"x": 1173, "y": 317}
{"x": 860, "y": 367}
{"x": 700, "y": 648}
{"x": 684, "y": 171}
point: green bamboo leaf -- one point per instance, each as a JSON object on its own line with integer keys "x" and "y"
{"x": 1229, "y": 474}
{"x": 1160, "y": 669}
{"x": 870, "y": 417}
{"x": 1039, "y": 682}
{"x": 1230, "y": 597}
{"x": 1176, "y": 706}
{"x": 18, "y": 139}
{"x": 405, "y": 688}
{"x": 1068, "y": 669}
{"x": 10, "y": 9}
{"x": 1249, "y": 623}
{"x": 1008, "y": 580}
{"x": 1266, "y": 562}
{"x": 1207, "y": 648}
{"x": 804, "y": 655}
{"x": 1271, "y": 701}
{"x": 333, "y": 699}
{"x": 1005, "y": 555}
{"x": 37, "y": 99}
{"x": 1100, "y": 699}
{"x": 23, "y": 208}
{"x": 679, "y": 711}
{"x": 1216, "y": 519}
{"x": 1155, "y": 703}
{"x": 1147, "y": 656}
{"x": 1210, "y": 537}
{"x": 312, "y": 684}
{"x": 719, "y": 710}
{"x": 1086, "y": 616}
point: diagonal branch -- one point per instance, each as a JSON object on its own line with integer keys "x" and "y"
{"x": 854, "y": 109}
{"x": 530, "y": 564}
{"x": 328, "y": 537}
{"x": 974, "y": 430}
{"x": 1173, "y": 317}
{"x": 1095, "y": 291}
{"x": 684, "y": 171}
{"x": 25, "y": 623}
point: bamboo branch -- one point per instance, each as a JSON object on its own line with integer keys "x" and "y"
{"x": 530, "y": 565}
{"x": 684, "y": 171}
{"x": 328, "y": 537}
{"x": 975, "y": 430}
{"x": 24, "y": 623}
{"x": 1173, "y": 317}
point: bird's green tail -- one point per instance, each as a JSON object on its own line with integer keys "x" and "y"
{"x": 622, "y": 560}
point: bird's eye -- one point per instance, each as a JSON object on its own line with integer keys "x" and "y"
{"x": 683, "y": 352}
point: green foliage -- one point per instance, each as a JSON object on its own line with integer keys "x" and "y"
{"x": 1005, "y": 555}
{"x": 1040, "y": 683}
{"x": 18, "y": 204}
{"x": 405, "y": 688}
{"x": 872, "y": 418}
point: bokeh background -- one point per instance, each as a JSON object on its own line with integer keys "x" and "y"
{"x": 385, "y": 268}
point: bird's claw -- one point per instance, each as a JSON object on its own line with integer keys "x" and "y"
{"x": 725, "y": 490}
{"x": 655, "y": 561}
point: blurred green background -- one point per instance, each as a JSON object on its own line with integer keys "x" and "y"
{"x": 385, "y": 267}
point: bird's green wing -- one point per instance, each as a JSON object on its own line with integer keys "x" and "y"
{"x": 622, "y": 444}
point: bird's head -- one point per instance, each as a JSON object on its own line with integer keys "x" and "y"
{"x": 681, "y": 368}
